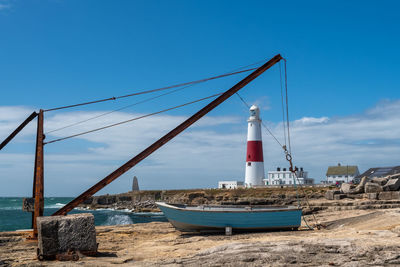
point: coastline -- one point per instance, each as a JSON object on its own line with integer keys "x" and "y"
{"x": 351, "y": 238}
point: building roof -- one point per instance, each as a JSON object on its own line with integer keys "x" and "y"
{"x": 380, "y": 171}
{"x": 342, "y": 170}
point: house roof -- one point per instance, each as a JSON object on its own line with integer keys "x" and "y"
{"x": 342, "y": 170}
{"x": 380, "y": 171}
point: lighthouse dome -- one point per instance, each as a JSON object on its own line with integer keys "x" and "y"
{"x": 254, "y": 112}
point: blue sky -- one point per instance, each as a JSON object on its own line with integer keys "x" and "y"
{"x": 342, "y": 64}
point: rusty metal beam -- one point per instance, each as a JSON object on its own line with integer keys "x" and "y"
{"x": 38, "y": 179}
{"x": 163, "y": 140}
{"x": 16, "y": 131}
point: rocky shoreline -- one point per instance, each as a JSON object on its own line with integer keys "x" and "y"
{"x": 144, "y": 201}
{"x": 350, "y": 238}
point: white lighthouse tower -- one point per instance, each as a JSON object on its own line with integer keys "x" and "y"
{"x": 254, "y": 158}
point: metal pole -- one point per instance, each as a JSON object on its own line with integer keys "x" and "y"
{"x": 163, "y": 140}
{"x": 38, "y": 191}
{"x": 16, "y": 131}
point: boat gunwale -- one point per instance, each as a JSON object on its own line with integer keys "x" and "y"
{"x": 242, "y": 208}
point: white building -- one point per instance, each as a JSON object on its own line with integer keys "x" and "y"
{"x": 254, "y": 157}
{"x": 286, "y": 177}
{"x": 341, "y": 174}
{"x": 229, "y": 184}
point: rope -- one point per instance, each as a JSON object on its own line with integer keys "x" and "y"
{"x": 287, "y": 109}
{"x": 262, "y": 123}
{"x": 133, "y": 119}
{"x": 282, "y": 104}
{"x": 152, "y": 90}
{"x": 125, "y": 107}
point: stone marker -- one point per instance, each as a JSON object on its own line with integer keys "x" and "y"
{"x": 61, "y": 234}
{"x": 372, "y": 188}
{"x": 392, "y": 185}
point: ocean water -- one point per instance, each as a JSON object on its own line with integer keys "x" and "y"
{"x": 13, "y": 218}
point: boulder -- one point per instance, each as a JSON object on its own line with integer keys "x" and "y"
{"x": 331, "y": 193}
{"x": 372, "y": 188}
{"x": 61, "y": 234}
{"x": 380, "y": 180}
{"x": 372, "y": 196}
{"x": 385, "y": 196}
{"x": 392, "y": 185}
{"x": 360, "y": 187}
{"x": 339, "y": 196}
{"x": 346, "y": 188}
{"x": 28, "y": 204}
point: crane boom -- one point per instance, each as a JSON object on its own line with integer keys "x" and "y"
{"x": 166, "y": 138}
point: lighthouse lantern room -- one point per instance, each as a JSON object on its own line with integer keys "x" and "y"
{"x": 254, "y": 157}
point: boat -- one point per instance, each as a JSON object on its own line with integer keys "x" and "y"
{"x": 205, "y": 218}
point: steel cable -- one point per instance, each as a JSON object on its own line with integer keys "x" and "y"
{"x": 133, "y": 119}
{"x": 151, "y": 91}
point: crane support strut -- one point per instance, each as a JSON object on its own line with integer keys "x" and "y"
{"x": 163, "y": 140}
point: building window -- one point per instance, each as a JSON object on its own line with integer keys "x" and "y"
{"x": 248, "y": 164}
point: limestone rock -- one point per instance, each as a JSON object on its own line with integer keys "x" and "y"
{"x": 360, "y": 187}
{"x": 331, "y": 193}
{"x": 346, "y": 188}
{"x": 372, "y": 195}
{"x": 59, "y": 234}
{"x": 339, "y": 196}
{"x": 380, "y": 180}
{"x": 392, "y": 185}
{"x": 372, "y": 188}
{"x": 28, "y": 204}
{"x": 385, "y": 196}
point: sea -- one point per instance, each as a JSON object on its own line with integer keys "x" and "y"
{"x": 13, "y": 218}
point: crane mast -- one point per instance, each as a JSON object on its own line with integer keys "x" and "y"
{"x": 166, "y": 138}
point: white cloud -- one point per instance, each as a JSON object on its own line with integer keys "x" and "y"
{"x": 4, "y": 6}
{"x": 199, "y": 157}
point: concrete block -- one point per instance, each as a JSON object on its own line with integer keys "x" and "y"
{"x": 392, "y": 185}
{"x": 331, "y": 193}
{"x": 28, "y": 204}
{"x": 60, "y": 234}
{"x": 372, "y": 195}
{"x": 372, "y": 188}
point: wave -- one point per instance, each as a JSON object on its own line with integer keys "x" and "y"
{"x": 11, "y": 208}
{"x": 118, "y": 219}
{"x": 55, "y": 206}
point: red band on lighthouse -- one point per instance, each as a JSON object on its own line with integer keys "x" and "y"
{"x": 254, "y": 151}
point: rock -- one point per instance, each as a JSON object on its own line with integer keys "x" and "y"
{"x": 28, "y": 204}
{"x": 360, "y": 187}
{"x": 392, "y": 185}
{"x": 331, "y": 193}
{"x": 345, "y": 188}
{"x": 372, "y": 195}
{"x": 380, "y": 180}
{"x": 385, "y": 196}
{"x": 60, "y": 234}
{"x": 372, "y": 188}
{"x": 339, "y": 196}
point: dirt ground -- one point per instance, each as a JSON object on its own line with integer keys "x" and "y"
{"x": 351, "y": 238}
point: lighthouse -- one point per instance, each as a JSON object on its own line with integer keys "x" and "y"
{"x": 254, "y": 157}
